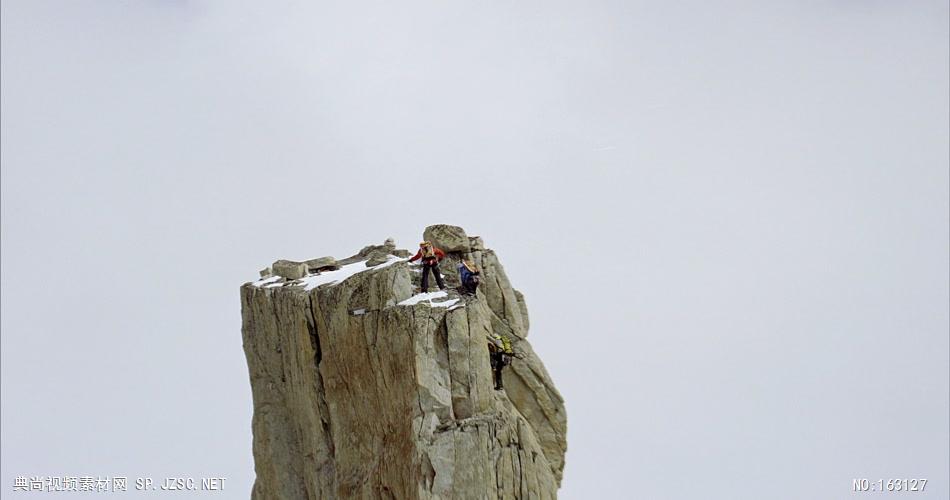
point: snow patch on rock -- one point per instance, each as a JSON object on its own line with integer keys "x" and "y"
{"x": 334, "y": 277}
{"x": 427, "y": 297}
{"x": 265, "y": 281}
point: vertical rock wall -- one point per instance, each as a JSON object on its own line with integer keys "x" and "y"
{"x": 357, "y": 396}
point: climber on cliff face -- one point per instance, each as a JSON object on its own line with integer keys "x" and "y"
{"x": 430, "y": 256}
{"x": 500, "y": 354}
{"x": 468, "y": 276}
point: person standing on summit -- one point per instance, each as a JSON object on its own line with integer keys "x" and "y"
{"x": 430, "y": 256}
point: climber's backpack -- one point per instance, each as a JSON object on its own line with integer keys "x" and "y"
{"x": 501, "y": 343}
{"x": 507, "y": 345}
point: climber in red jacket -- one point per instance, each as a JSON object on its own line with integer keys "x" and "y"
{"x": 430, "y": 256}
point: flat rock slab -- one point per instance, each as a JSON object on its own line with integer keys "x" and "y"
{"x": 322, "y": 264}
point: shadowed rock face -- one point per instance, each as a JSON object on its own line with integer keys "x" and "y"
{"x": 358, "y": 396}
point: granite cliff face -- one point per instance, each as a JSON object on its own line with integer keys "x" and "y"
{"x": 363, "y": 388}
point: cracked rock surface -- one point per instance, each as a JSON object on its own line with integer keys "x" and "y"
{"x": 358, "y": 396}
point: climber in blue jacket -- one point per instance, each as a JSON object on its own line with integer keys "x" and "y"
{"x": 468, "y": 276}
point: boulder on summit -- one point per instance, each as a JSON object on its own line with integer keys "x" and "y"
{"x": 448, "y": 238}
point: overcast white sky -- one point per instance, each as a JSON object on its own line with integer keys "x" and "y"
{"x": 730, "y": 220}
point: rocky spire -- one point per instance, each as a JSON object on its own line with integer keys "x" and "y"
{"x": 364, "y": 390}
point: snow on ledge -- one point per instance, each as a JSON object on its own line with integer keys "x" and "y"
{"x": 261, "y": 282}
{"x": 334, "y": 277}
{"x": 427, "y": 297}
{"x": 419, "y": 297}
{"x": 447, "y": 303}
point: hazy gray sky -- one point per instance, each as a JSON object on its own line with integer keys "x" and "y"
{"x": 730, "y": 220}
